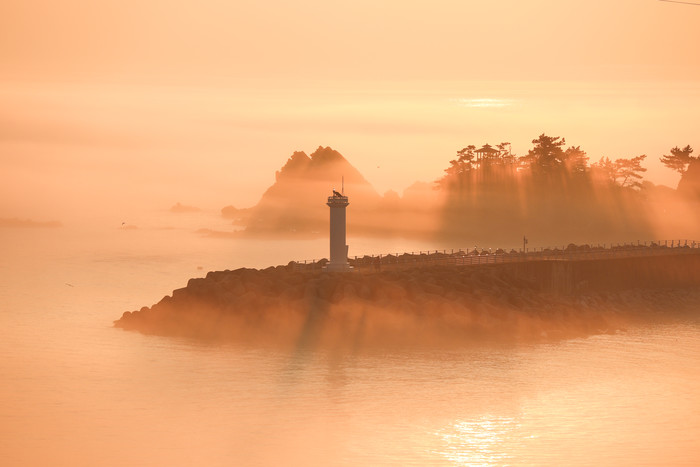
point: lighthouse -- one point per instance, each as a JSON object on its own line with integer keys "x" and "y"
{"x": 339, "y": 249}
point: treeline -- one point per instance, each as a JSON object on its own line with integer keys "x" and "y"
{"x": 551, "y": 192}
{"x": 549, "y": 159}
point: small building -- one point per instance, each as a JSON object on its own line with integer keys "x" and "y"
{"x": 486, "y": 154}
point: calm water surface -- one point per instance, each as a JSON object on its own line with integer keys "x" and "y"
{"x": 76, "y": 391}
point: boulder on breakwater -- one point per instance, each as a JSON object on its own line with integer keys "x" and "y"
{"x": 439, "y": 305}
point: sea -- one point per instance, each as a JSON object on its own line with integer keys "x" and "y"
{"x": 76, "y": 391}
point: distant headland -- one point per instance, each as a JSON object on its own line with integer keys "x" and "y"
{"x": 554, "y": 193}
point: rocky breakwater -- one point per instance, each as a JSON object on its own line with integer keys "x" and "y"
{"x": 439, "y": 305}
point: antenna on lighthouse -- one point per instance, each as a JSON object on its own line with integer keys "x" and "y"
{"x": 342, "y": 185}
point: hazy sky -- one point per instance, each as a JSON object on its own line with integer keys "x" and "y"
{"x": 123, "y": 102}
{"x": 211, "y": 41}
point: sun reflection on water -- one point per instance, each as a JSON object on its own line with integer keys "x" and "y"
{"x": 477, "y": 442}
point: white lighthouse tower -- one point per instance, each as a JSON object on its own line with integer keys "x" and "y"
{"x": 339, "y": 249}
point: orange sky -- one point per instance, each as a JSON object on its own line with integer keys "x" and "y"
{"x": 209, "y": 41}
{"x": 119, "y": 102}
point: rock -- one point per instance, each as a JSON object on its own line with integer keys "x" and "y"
{"x": 436, "y": 303}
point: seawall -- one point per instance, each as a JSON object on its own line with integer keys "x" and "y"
{"x": 431, "y": 305}
{"x": 614, "y": 274}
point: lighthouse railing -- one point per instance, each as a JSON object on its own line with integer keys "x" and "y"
{"x": 338, "y": 199}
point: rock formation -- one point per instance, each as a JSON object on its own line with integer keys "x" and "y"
{"x": 295, "y": 203}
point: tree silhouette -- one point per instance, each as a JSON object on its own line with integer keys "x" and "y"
{"x": 627, "y": 171}
{"x": 547, "y": 156}
{"x": 464, "y": 161}
{"x": 558, "y": 194}
{"x": 505, "y": 153}
{"x": 679, "y": 159}
{"x": 604, "y": 170}
{"x": 576, "y": 160}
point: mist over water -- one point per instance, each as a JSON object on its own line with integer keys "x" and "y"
{"x": 77, "y": 391}
{"x": 71, "y": 151}
{"x": 126, "y": 127}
